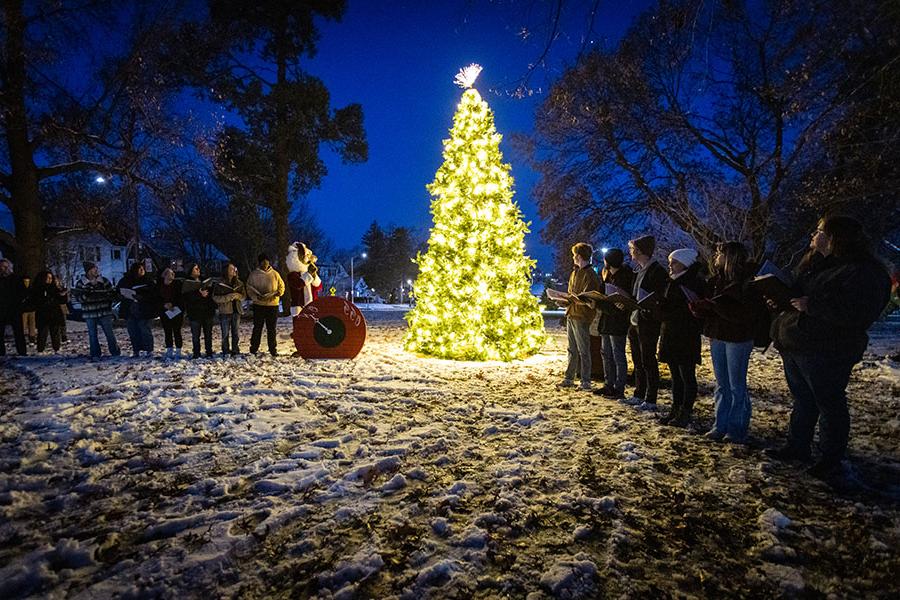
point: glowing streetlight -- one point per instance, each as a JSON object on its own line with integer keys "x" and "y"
{"x": 100, "y": 179}
{"x": 604, "y": 250}
{"x": 352, "y": 287}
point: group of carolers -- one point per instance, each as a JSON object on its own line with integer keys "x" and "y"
{"x": 143, "y": 298}
{"x": 840, "y": 289}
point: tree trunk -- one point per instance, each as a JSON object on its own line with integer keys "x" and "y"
{"x": 25, "y": 199}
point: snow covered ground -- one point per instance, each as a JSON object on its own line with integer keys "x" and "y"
{"x": 397, "y": 476}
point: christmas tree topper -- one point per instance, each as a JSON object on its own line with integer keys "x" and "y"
{"x": 467, "y": 76}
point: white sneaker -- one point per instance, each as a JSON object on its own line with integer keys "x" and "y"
{"x": 633, "y": 401}
{"x": 647, "y": 406}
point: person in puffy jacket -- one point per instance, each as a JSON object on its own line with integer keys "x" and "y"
{"x": 265, "y": 287}
{"x": 841, "y": 290}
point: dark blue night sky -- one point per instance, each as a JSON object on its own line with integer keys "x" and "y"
{"x": 398, "y": 60}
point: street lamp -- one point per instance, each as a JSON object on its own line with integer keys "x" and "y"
{"x": 409, "y": 294}
{"x": 352, "y": 286}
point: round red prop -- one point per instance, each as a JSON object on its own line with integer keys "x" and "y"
{"x": 329, "y": 327}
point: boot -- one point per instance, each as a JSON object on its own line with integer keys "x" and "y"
{"x": 177, "y": 352}
{"x": 170, "y": 352}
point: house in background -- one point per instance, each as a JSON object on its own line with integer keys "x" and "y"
{"x": 68, "y": 250}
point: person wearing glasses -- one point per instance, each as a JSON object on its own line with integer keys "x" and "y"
{"x": 841, "y": 290}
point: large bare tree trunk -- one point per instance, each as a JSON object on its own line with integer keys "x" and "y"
{"x": 25, "y": 199}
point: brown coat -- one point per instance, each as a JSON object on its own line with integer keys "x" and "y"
{"x": 582, "y": 279}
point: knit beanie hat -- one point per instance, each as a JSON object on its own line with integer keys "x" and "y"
{"x": 646, "y": 244}
{"x": 686, "y": 256}
{"x": 614, "y": 258}
{"x": 88, "y": 265}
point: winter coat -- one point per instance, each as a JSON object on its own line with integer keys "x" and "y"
{"x": 733, "y": 317}
{"x": 265, "y": 288}
{"x": 582, "y": 279}
{"x": 679, "y": 338}
{"x": 199, "y": 308}
{"x": 96, "y": 297}
{"x": 612, "y": 321}
{"x": 169, "y": 294}
{"x": 231, "y": 302}
{"x": 845, "y": 296}
{"x": 12, "y": 296}
{"x": 146, "y": 306}
{"x": 651, "y": 279}
{"x": 46, "y": 300}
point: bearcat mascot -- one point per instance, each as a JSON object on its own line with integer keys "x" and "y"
{"x": 303, "y": 281}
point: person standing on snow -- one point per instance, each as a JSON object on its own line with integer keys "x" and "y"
{"x": 265, "y": 287}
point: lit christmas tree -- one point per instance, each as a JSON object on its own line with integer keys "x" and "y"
{"x": 473, "y": 298}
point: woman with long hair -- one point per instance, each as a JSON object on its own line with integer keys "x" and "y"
{"x": 729, "y": 321}
{"x": 47, "y": 300}
{"x": 841, "y": 291}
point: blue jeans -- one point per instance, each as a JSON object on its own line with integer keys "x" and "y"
{"x": 579, "y": 334}
{"x": 105, "y": 323}
{"x": 615, "y": 365}
{"x": 730, "y": 361}
{"x": 819, "y": 386}
{"x": 230, "y": 323}
{"x": 140, "y": 335}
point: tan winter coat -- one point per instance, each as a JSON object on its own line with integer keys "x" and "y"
{"x": 265, "y": 288}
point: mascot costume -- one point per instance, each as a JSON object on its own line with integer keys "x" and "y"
{"x": 303, "y": 281}
{"x": 327, "y": 327}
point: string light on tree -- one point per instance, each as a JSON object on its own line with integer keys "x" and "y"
{"x": 473, "y": 298}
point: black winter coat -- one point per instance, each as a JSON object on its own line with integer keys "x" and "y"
{"x": 679, "y": 338}
{"x": 199, "y": 308}
{"x": 733, "y": 317}
{"x": 147, "y": 304}
{"x": 47, "y": 300}
{"x": 12, "y": 294}
{"x": 654, "y": 281}
{"x": 612, "y": 321}
{"x": 845, "y": 297}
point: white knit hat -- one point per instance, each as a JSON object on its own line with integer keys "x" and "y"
{"x": 686, "y": 256}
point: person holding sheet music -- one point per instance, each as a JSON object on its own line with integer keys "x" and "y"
{"x": 617, "y": 278}
{"x": 200, "y": 308}
{"x": 229, "y": 295}
{"x": 139, "y": 306}
{"x": 840, "y": 291}
{"x": 265, "y": 287}
{"x": 643, "y": 334}
{"x": 96, "y": 295}
{"x": 171, "y": 316}
{"x": 679, "y": 339}
{"x": 579, "y": 315}
{"x": 729, "y": 321}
